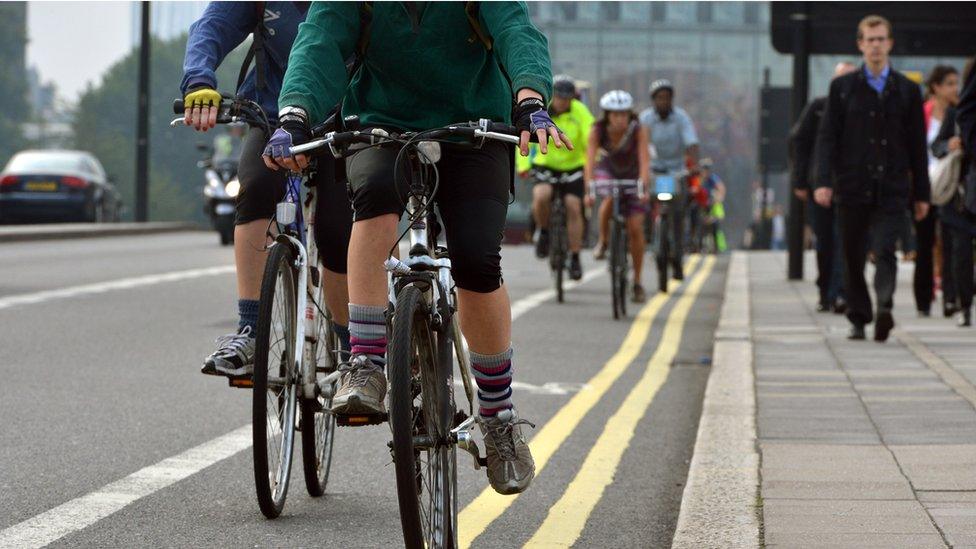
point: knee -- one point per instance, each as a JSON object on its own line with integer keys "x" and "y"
{"x": 573, "y": 207}
{"x": 476, "y": 268}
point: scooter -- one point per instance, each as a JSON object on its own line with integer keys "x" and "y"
{"x": 220, "y": 193}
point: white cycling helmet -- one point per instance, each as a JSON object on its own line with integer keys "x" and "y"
{"x": 616, "y": 100}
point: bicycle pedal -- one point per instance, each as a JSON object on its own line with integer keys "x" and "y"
{"x": 243, "y": 382}
{"x": 360, "y": 420}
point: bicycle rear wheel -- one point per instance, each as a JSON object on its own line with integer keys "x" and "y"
{"x": 662, "y": 253}
{"x": 275, "y": 381}
{"x": 617, "y": 263}
{"x": 420, "y": 418}
{"x": 558, "y": 245}
{"x": 318, "y": 424}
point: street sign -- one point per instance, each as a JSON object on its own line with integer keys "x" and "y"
{"x": 920, "y": 28}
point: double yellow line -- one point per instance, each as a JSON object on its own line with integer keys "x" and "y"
{"x": 488, "y": 506}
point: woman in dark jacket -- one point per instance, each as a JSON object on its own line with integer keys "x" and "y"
{"x": 957, "y": 218}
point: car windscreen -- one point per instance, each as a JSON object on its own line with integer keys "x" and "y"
{"x": 41, "y": 161}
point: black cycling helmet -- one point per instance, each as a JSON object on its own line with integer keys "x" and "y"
{"x": 658, "y": 85}
{"x": 563, "y": 86}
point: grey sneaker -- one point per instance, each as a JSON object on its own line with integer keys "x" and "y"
{"x": 362, "y": 386}
{"x": 510, "y": 464}
{"x": 234, "y": 355}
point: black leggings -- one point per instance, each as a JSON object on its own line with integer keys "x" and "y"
{"x": 472, "y": 199}
{"x": 263, "y": 188}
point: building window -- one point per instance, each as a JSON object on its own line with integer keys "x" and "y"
{"x": 704, "y": 12}
{"x": 659, "y": 12}
{"x": 751, "y": 13}
{"x": 611, "y": 11}
{"x": 569, "y": 11}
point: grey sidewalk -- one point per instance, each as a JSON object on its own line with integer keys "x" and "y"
{"x": 862, "y": 444}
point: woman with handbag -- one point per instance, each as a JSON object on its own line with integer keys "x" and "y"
{"x": 950, "y": 167}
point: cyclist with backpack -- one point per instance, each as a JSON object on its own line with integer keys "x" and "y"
{"x": 425, "y": 65}
{"x": 274, "y": 25}
{"x": 618, "y": 149}
{"x": 573, "y": 118}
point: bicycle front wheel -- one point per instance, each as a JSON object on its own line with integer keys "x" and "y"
{"x": 318, "y": 424}
{"x": 423, "y": 454}
{"x": 275, "y": 381}
{"x": 558, "y": 246}
{"x": 617, "y": 263}
{"x": 663, "y": 251}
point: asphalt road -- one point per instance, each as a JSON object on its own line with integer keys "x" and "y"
{"x": 101, "y": 345}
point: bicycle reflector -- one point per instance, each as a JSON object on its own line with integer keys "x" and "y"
{"x": 664, "y": 187}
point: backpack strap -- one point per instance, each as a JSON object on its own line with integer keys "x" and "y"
{"x": 471, "y": 11}
{"x": 255, "y": 53}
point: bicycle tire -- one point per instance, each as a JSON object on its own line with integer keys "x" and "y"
{"x": 426, "y": 516}
{"x": 318, "y": 424}
{"x": 612, "y": 266}
{"x": 558, "y": 248}
{"x": 622, "y": 271}
{"x": 663, "y": 251}
{"x": 277, "y": 307}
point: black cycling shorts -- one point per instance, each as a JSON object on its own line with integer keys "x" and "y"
{"x": 472, "y": 200}
{"x": 262, "y": 189}
{"x": 575, "y": 188}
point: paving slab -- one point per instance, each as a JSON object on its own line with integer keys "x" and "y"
{"x": 831, "y": 471}
{"x": 939, "y": 467}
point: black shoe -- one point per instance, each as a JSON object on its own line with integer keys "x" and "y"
{"x": 965, "y": 319}
{"x": 679, "y": 273}
{"x": 823, "y": 307}
{"x": 542, "y": 245}
{"x": 840, "y": 306}
{"x": 856, "y": 333}
{"x": 882, "y": 326}
{"x": 575, "y": 269}
{"x": 924, "y": 313}
{"x": 949, "y": 310}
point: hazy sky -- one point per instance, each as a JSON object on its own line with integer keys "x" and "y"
{"x": 72, "y": 43}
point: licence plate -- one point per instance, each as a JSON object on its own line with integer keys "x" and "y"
{"x": 43, "y": 186}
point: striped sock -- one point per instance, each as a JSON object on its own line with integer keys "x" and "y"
{"x": 367, "y": 332}
{"x": 493, "y": 374}
{"x": 248, "y": 310}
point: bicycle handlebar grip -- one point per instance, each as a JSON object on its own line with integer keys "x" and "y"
{"x": 178, "y": 106}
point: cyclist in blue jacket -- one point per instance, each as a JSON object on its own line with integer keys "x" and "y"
{"x": 223, "y": 27}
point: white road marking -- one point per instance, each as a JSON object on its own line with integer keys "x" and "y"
{"x": 86, "y": 510}
{"x": 548, "y": 388}
{"x": 89, "y": 509}
{"x": 532, "y": 301}
{"x": 102, "y": 287}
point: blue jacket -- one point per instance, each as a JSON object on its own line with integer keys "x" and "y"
{"x": 224, "y": 26}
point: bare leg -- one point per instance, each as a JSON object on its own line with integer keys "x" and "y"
{"x": 369, "y": 247}
{"x": 574, "y": 223}
{"x": 250, "y": 256}
{"x": 541, "y": 197}
{"x": 606, "y": 210}
{"x": 635, "y": 235}
{"x": 336, "y": 296}
{"x": 486, "y": 320}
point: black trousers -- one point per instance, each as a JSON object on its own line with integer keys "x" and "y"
{"x": 923, "y": 281}
{"x": 829, "y": 259}
{"x": 949, "y": 291}
{"x": 962, "y": 266}
{"x": 863, "y": 226}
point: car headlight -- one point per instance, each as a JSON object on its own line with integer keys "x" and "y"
{"x": 233, "y": 188}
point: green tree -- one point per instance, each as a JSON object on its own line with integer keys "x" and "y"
{"x": 13, "y": 77}
{"x": 105, "y": 124}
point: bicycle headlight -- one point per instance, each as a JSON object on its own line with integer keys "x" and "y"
{"x": 233, "y": 188}
{"x": 663, "y": 197}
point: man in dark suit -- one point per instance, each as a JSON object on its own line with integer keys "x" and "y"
{"x": 872, "y": 164}
{"x": 802, "y": 141}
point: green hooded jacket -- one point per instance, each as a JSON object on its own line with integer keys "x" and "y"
{"x": 423, "y": 68}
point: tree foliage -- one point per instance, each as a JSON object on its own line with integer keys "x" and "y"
{"x": 13, "y": 77}
{"x": 105, "y": 124}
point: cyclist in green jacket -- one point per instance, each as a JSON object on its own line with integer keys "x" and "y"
{"x": 422, "y": 68}
{"x": 573, "y": 118}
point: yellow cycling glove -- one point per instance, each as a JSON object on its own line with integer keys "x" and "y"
{"x": 203, "y": 97}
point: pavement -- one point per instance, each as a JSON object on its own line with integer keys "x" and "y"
{"x": 111, "y": 438}
{"x": 61, "y": 231}
{"x": 860, "y": 444}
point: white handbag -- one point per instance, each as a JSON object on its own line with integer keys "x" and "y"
{"x": 944, "y": 176}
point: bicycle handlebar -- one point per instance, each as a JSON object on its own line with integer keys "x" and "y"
{"x": 231, "y": 110}
{"x": 483, "y": 129}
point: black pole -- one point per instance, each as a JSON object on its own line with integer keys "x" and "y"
{"x": 764, "y": 240}
{"x": 142, "y": 127}
{"x": 801, "y": 81}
